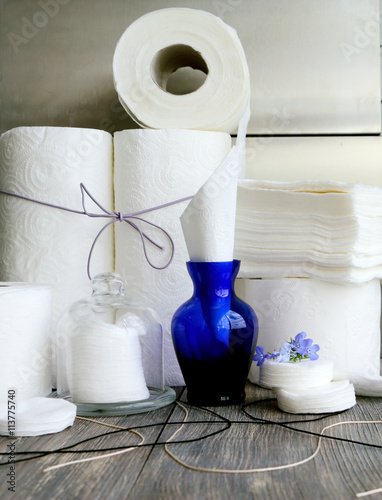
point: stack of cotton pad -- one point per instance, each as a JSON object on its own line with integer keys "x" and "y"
{"x": 37, "y": 416}
{"x": 96, "y": 378}
{"x": 307, "y": 386}
{"x": 335, "y": 396}
{"x": 299, "y": 375}
{"x": 327, "y": 230}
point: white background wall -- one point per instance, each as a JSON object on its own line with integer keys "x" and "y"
{"x": 56, "y": 56}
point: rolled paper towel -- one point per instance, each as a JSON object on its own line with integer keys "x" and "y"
{"x": 161, "y": 42}
{"x": 335, "y": 396}
{"x": 155, "y": 167}
{"x": 37, "y": 416}
{"x": 343, "y": 319}
{"x": 46, "y": 245}
{"x": 104, "y": 365}
{"x": 296, "y": 375}
{"x": 25, "y": 340}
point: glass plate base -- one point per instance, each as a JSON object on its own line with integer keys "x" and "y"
{"x": 157, "y": 399}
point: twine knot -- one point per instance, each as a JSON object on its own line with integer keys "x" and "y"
{"x": 130, "y": 219}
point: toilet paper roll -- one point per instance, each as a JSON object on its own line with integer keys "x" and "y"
{"x": 153, "y": 167}
{"x": 296, "y": 375}
{"x": 335, "y": 396}
{"x": 161, "y": 42}
{"x": 46, "y": 245}
{"x": 25, "y": 340}
{"x": 343, "y": 319}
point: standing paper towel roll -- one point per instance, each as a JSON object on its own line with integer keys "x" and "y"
{"x": 163, "y": 41}
{"x": 25, "y": 340}
{"x": 46, "y": 245}
{"x": 343, "y": 319}
{"x": 153, "y": 167}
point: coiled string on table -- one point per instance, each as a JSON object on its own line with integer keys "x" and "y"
{"x": 253, "y": 420}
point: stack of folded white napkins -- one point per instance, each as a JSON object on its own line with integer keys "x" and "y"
{"x": 307, "y": 386}
{"x": 327, "y": 230}
{"x": 36, "y": 416}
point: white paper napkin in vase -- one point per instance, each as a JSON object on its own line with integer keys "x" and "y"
{"x": 208, "y": 225}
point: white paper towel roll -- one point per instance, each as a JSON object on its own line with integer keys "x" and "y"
{"x": 153, "y": 167}
{"x": 161, "y": 42}
{"x": 343, "y": 319}
{"x": 47, "y": 245}
{"x": 25, "y": 340}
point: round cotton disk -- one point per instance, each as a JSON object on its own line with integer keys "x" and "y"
{"x": 36, "y": 416}
{"x": 336, "y": 396}
{"x": 296, "y": 375}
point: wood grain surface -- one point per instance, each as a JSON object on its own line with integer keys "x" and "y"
{"x": 339, "y": 471}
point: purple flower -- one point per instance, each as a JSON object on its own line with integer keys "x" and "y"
{"x": 295, "y": 350}
{"x": 285, "y": 353}
{"x": 312, "y": 351}
{"x": 300, "y": 344}
{"x": 260, "y": 356}
{"x": 273, "y": 355}
{"x": 304, "y": 347}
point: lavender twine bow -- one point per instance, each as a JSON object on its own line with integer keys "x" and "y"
{"x": 116, "y": 217}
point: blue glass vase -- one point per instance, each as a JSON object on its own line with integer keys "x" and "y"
{"x": 214, "y": 335}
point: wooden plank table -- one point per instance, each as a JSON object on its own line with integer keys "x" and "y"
{"x": 338, "y": 471}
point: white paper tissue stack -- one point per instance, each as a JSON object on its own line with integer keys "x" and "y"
{"x": 317, "y": 229}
